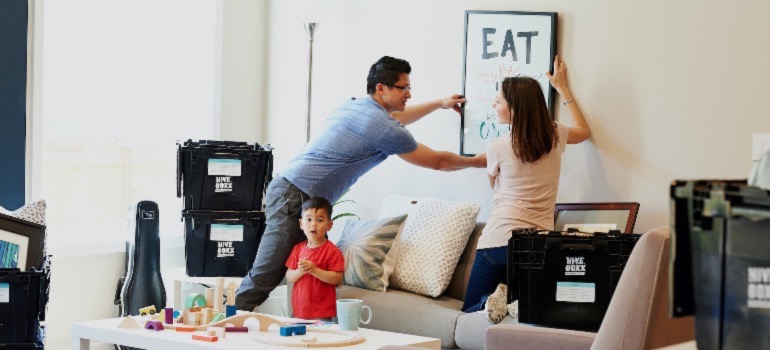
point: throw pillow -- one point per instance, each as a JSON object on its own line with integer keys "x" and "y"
{"x": 365, "y": 245}
{"x": 434, "y": 236}
{"x": 33, "y": 212}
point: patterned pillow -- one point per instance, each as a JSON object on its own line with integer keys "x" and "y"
{"x": 365, "y": 245}
{"x": 434, "y": 236}
{"x": 33, "y": 212}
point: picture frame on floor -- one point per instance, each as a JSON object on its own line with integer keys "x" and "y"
{"x": 21, "y": 243}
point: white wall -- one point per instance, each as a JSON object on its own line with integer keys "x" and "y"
{"x": 83, "y": 284}
{"x": 671, "y": 90}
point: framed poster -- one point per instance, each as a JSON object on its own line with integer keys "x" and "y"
{"x": 21, "y": 243}
{"x": 499, "y": 45}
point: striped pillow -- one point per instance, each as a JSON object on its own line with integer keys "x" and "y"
{"x": 365, "y": 244}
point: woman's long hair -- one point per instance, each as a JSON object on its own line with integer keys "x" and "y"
{"x": 533, "y": 133}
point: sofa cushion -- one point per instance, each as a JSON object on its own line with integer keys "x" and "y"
{"x": 365, "y": 245}
{"x": 435, "y": 234}
{"x": 404, "y": 312}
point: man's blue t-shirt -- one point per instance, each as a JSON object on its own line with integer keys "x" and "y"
{"x": 359, "y": 135}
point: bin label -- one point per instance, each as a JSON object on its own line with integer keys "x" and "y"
{"x": 576, "y": 292}
{"x": 225, "y": 167}
{"x": 224, "y": 232}
{"x": 5, "y": 292}
{"x": 223, "y": 184}
{"x": 575, "y": 266}
{"x": 758, "y": 287}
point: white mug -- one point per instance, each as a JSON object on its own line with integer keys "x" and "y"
{"x": 349, "y": 313}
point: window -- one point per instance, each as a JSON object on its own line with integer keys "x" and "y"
{"x": 122, "y": 81}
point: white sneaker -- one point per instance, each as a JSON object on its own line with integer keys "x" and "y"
{"x": 513, "y": 309}
{"x": 496, "y": 305}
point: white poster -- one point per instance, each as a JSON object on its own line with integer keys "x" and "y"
{"x": 500, "y": 45}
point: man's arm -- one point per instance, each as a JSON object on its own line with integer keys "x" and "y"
{"x": 425, "y": 157}
{"x": 492, "y": 180}
{"x": 415, "y": 112}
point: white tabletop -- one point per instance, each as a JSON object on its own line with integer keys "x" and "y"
{"x": 107, "y": 331}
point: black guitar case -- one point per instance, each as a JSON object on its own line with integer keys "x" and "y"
{"x": 142, "y": 284}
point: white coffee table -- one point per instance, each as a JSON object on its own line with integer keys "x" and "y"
{"x": 106, "y": 331}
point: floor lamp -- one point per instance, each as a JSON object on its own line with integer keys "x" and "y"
{"x": 310, "y": 28}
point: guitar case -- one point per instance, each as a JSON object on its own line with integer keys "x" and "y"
{"x": 142, "y": 284}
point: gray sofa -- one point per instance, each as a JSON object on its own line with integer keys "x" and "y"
{"x": 405, "y": 312}
{"x": 636, "y": 319}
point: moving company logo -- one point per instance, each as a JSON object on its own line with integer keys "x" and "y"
{"x": 225, "y": 249}
{"x": 575, "y": 266}
{"x": 759, "y": 287}
{"x": 223, "y": 184}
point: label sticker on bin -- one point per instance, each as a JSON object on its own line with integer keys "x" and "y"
{"x": 224, "y": 167}
{"x": 576, "y": 292}
{"x": 224, "y": 232}
{"x": 5, "y": 292}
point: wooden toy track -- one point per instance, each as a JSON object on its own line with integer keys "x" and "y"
{"x": 237, "y": 321}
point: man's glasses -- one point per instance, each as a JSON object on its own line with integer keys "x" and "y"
{"x": 403, "y": 88}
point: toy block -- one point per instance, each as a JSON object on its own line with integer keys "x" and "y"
{"x": 185, "y": 328}
{"x": 168, "y": 315}
{"x": 287, "y": 331}
{"x": 217, "y": 317}
{"x": 230, "y": 310}
{"x": 218, "y": 331}
{"x": 218, "y": 293}
{"x": 154, "y": 325}
{"x": 194, "y": 299}
{"x": 205, "y": 337}
{"x": 129, "y": 323}
{"x": 209, "y": 297}
{"x": 147, "y": 311}
{"x": 237, "y": 329}
{"x": 206, "y": 314}
{"x": 309, "y": 340}
{"x": 230, "y": 291}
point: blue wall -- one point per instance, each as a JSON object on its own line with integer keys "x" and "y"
{"x": 13, "y": 101}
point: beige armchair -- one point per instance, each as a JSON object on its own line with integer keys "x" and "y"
{"x": 637, "y": 317}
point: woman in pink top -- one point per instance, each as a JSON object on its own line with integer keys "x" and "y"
{"x": 524, "y": 173}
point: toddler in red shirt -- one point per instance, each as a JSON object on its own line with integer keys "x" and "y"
{"x": 316, "y": 265}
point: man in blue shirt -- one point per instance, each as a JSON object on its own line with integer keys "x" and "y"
{"x": 359, "y": 135}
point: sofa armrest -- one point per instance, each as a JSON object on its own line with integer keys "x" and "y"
{"x": 513, "y": 336}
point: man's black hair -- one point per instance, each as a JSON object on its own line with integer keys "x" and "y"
{"x": 317, "y": 203}
{"x": 386, "y": 71}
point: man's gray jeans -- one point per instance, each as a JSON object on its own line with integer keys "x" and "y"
{"x": 282, "y": 232}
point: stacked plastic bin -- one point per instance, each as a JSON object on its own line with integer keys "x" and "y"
{"x": 721, "y": 261}
{"x": 223, "y": 185}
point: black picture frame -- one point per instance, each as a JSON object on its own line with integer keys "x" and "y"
{"x": 35, "y": 235}
{"x": 492, "y": 38}
{"x": 627, "y": 225}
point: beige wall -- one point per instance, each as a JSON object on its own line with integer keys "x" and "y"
{"x": 671, "y": 90}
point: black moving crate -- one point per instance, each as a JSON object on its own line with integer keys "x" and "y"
{"x": 221, "y": 243}
{"x": 565, "y": 279}
{"x": 223, "y": 175}
{"x": 721, "y": 249}
{"x": 23, "y": 299}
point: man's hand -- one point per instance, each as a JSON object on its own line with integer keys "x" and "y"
{"x": 454, "y": 102}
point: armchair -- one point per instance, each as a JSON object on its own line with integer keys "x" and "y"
{"x": 637, "y": 317}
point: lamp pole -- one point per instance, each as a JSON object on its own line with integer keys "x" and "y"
{"x": 310, "y": 28}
